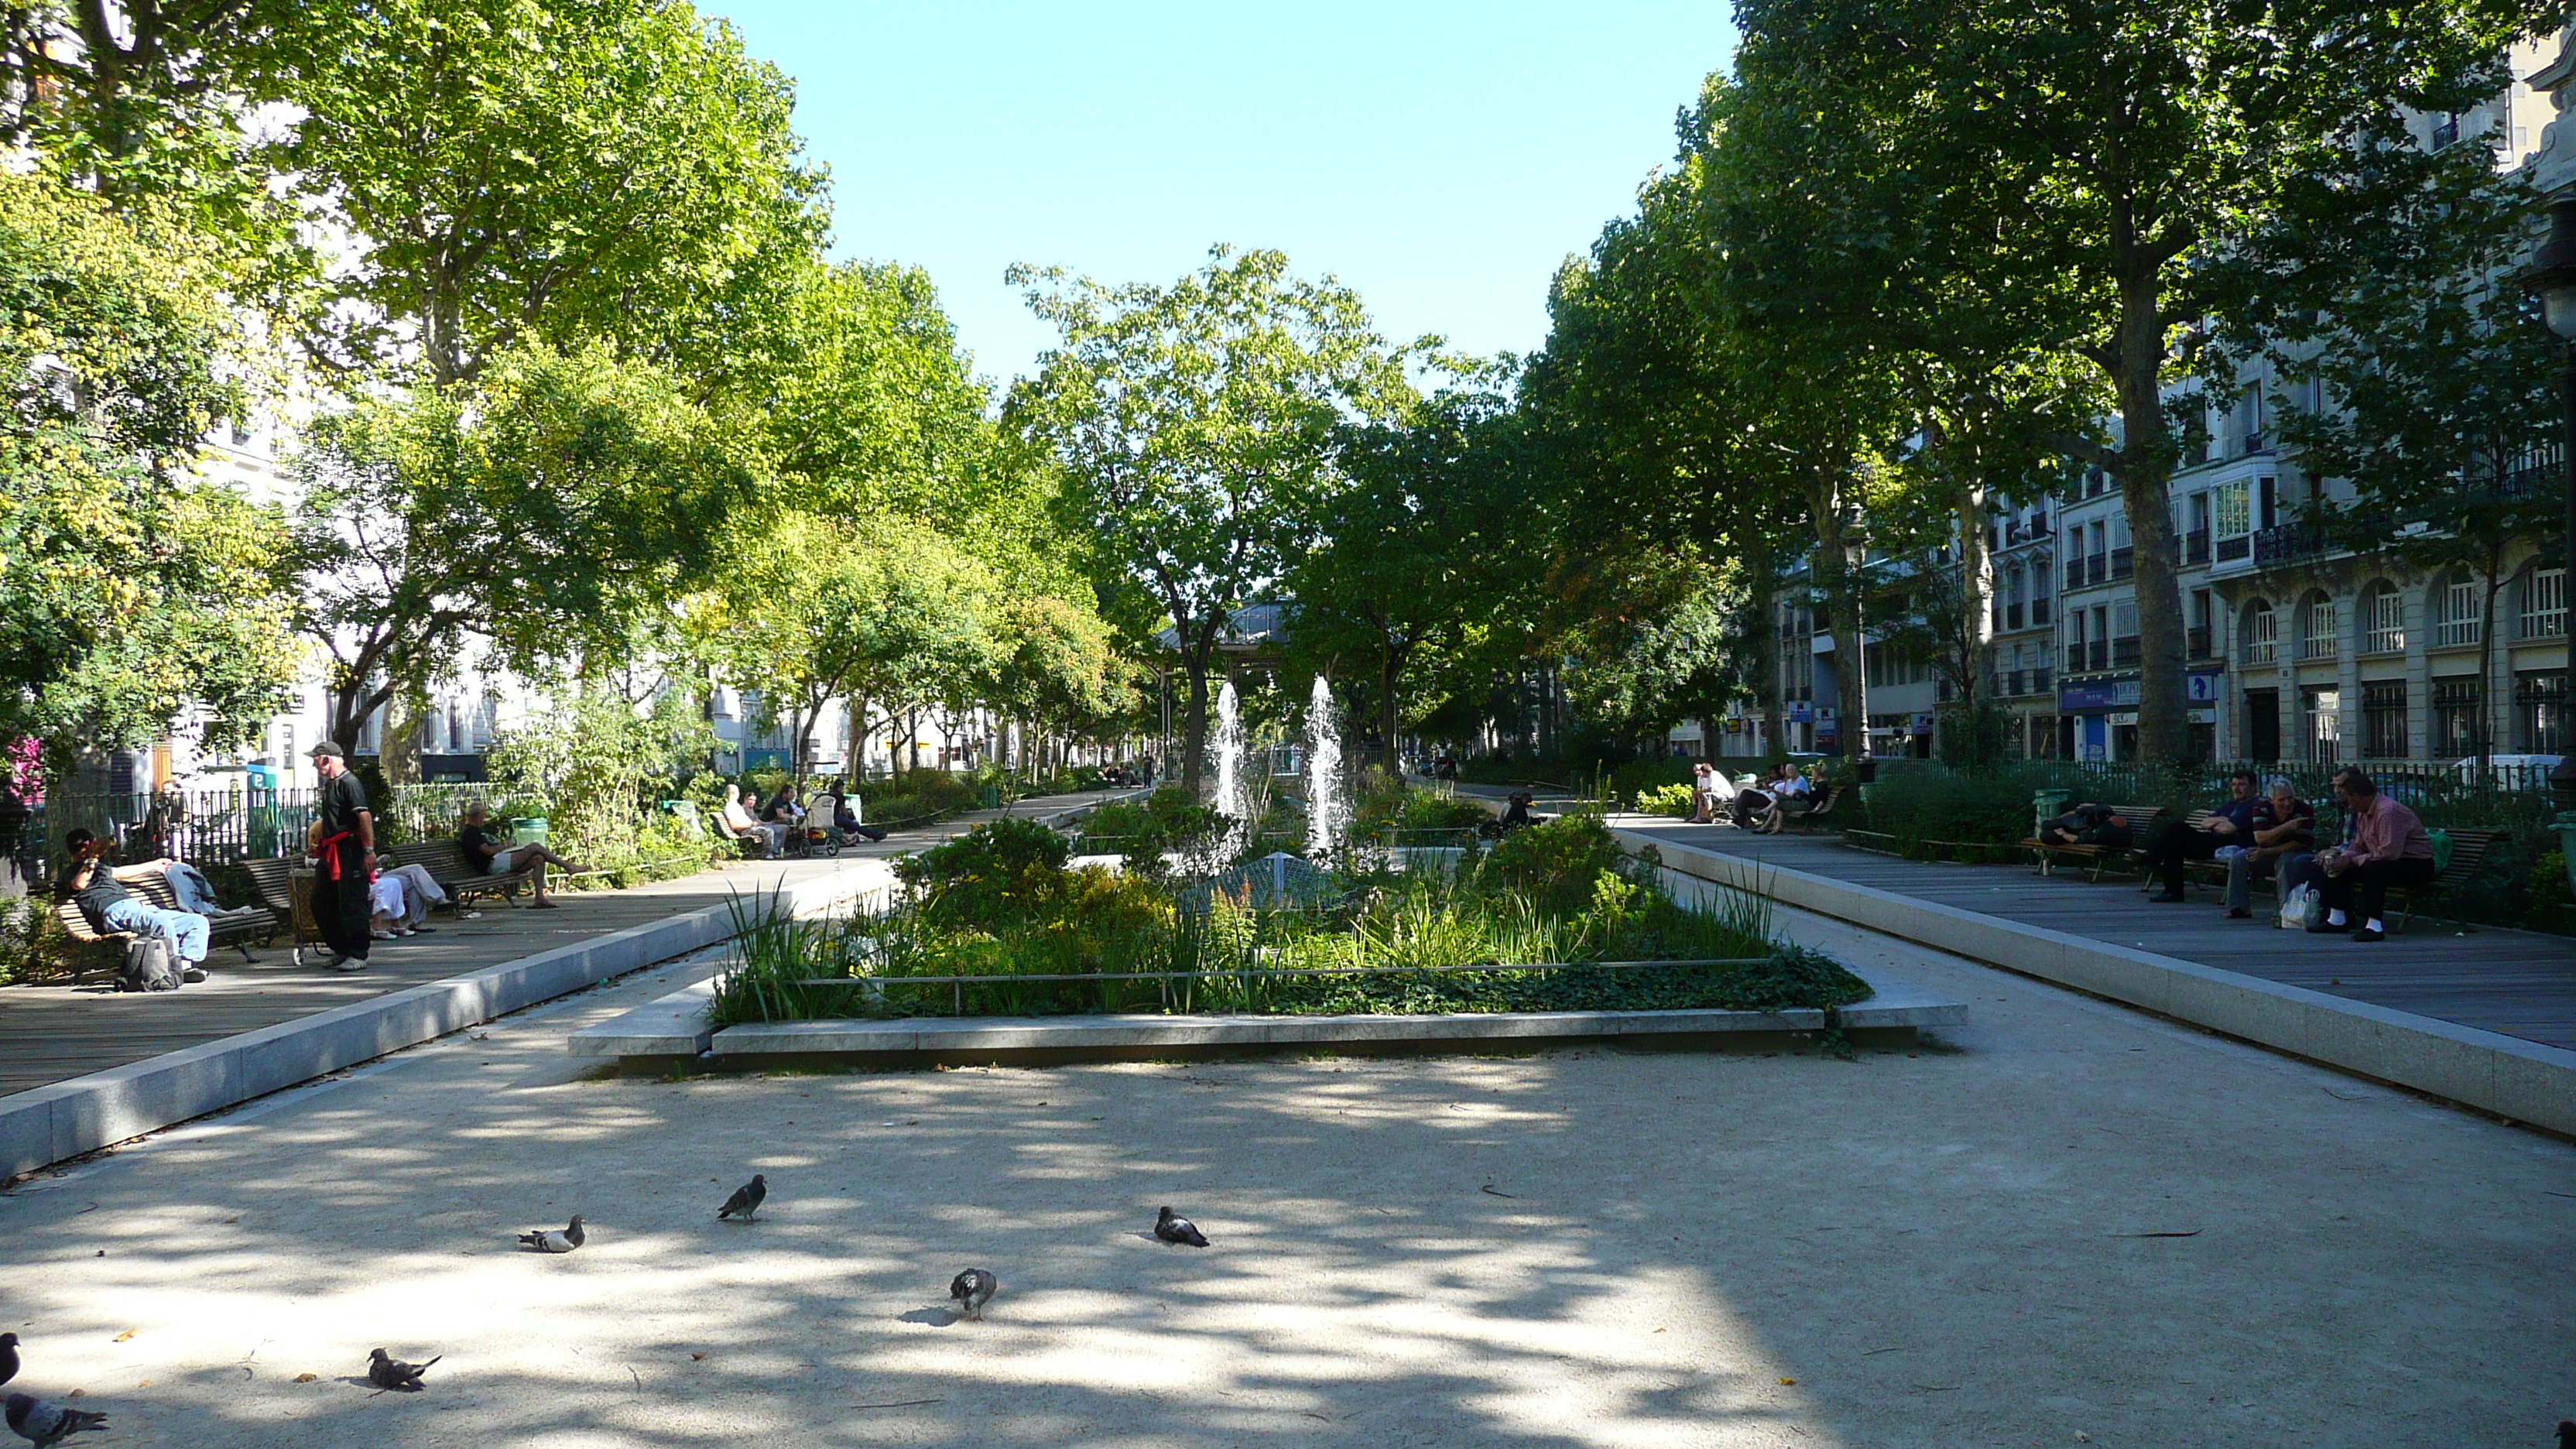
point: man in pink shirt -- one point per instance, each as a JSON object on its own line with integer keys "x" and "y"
{"x": 2389, "y": 847}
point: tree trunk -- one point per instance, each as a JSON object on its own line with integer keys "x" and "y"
{"x": 1836, "y": 548}
{"x": 2164, "y": 735}
{"x": 1762, "y": 636}
{"x": 1392, "y": 666}
{"x": 1977, "y": 584}
{"x": 1194, "y": 722}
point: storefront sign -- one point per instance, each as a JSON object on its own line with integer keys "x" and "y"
{"x": 2097, "y": 694}
{"x": 1923, "y": 724}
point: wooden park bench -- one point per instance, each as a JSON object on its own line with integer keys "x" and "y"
{"x": 1808, "y": 813}
{"x": 235, "y": 928}
{"x": 461, "y": 878}
{"x": 2099, "y": 858}
{"x": 2469, "y": 850}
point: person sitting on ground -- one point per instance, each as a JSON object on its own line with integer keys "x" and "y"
{"x": 2179, "y": 841}
{"x": 737, "y": 822}
{"x": 2289, "y": 826}
{"x": 845, "y": 818}
{"x": 2390, "y": 847}
{"x": 399, "y": 899}
{"x": 2089, "y": 824}
{"x": 1517, "y": 814}
{"x": 109, "y": 907}
{"x": 486, "y": 849}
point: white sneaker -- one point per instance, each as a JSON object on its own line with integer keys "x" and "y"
{"x": 339, "y": 962}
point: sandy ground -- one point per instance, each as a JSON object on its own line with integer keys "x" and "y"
{"x": 2072, "y": 1222}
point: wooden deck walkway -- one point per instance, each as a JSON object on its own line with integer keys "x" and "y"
{"x": 49, "y": 1033}
{"x": 2519, "y": 983}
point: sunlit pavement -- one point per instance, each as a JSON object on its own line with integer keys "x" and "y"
{"x": 1974, "y": 1246}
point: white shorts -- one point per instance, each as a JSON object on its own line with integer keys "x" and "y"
{"x": 499, "y": 864}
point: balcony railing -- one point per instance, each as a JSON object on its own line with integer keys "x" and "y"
{"x": 2097, "y": 569}
{"x": 2195, "y": 546}
{"x": 2101, "y": 658}
{"x": 2198, "y": 637}
{"x": 2075, "y": 573}
{"x": 2232, "y": 549}
{"x": 2123, "y": 560}
{"x": 2124, "y": 653}
{"x": 2287, "y": 544}
{"x": 2075, "y": 658}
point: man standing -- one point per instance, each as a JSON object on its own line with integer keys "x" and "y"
{"x": 2232, "y": 823}
{"x": 344, "y": 860}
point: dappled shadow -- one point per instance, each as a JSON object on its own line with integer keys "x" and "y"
{"x": 1578, "y": 1249}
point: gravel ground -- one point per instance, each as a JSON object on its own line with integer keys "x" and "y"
{"x": 2067, "y": 1222}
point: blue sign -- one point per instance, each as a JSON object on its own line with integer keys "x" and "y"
{"x": 1802, "y": 714}
{"x": 2098, "y": 694}
{"x": 2202, "y": 686}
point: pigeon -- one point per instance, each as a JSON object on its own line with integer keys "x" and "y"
{"x": 386, "y": 1372}
{"x": 8, "y": 1357}
{"x": 746, "y": 1199}
{"x": 41, "y": 1423}
{"x": 973, "y": 1289}
{"x": 1173, "y": 1229}
{"x": 554, "y": 1240}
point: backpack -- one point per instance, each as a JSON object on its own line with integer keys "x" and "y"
{"x": 150, "y": 965}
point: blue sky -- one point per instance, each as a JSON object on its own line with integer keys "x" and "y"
{"x": 1442, "y": 158}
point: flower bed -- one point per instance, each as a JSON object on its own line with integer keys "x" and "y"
{"x": 995, "y": 923}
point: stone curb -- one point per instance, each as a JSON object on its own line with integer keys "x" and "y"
{"x": 675, "y": 1026}
{"x": 2521, "y": 1080}
{"x": 48, "y": 1124}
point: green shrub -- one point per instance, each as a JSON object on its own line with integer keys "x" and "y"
{"x": 1627, "y": 781}
{"x": 1554, "y": 864}
{"x": 1672, "y": 800}
{"x": 978, "y": 877}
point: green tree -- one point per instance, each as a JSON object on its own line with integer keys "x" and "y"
{"x": 2109, "y": 153}
{"x": 130, "y": 598}
{"x": 539, "y": 170}
{"x": 544, "y": 508}
{"x": 1193, "y": 426}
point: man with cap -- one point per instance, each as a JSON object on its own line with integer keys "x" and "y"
{"x": 344, "y": 852}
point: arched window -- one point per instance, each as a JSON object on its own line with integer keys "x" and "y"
{"x": 2262, "y": 637}
{"x": 2383, "y": 619}
{"x": 2458, "y": 605}
{"x": 2319, "y": 625}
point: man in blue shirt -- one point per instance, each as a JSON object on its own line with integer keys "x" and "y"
{"x": 2233, "y": 823}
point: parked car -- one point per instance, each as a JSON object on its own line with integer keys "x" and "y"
{"x": 2534, "y": 767}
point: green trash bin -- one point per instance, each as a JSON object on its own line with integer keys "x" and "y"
{"x": 528, "y": 830}
{"x": 990, "y": 797}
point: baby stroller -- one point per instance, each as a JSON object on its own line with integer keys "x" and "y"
{"x": 815, "y": 837}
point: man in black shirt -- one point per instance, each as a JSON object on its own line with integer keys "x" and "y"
{"x": 2232, "y": 823}
{"x": 344, "y": 853}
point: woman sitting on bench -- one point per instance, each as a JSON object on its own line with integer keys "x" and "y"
{"x": 486, "y": 849}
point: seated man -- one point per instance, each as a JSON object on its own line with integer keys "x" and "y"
{"x": 2291, "y": 827}
{"x": 845, "y": 818}
{"x": 400, "y": 898}
{"x": 109, "y": 907}
{"x": 2232, "y": 823}
{"x": 1709, "y": 790}
{"x": 736, "y": 820}
{"x": 484, "y": 847}
{"x": 2389, "y": 847}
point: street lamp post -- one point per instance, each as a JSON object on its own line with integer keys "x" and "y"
{"x": 2552, "y": 279}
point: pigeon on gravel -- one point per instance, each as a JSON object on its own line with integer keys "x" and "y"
{"x": 973, "y": 1289}
{"x": 387, "y": 1372}
{"x": 8, "y": 1357}
{"x": 746, "y": 1199}
{"x": 1174, "y": 1229}
{"x": 41, "y": 1423}
{"x": 554, "y": 1240}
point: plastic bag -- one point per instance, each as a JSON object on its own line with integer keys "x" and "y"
{"x": 2302, "y": 908}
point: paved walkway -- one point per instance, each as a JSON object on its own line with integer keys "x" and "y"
{"x": 2519, "y": 983}
{"x": 50, "y": 1033}
{"x": 2073, "y": 1219}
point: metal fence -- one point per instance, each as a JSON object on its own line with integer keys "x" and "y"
{"x": 234, "y": 823}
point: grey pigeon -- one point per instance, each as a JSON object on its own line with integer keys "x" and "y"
{"x": 554, "y": 1240}
{"x": 41, "y": 1423}
{"x": 973, "y": 1289}
{"x": 1173, "y": 1229}
{"x": 746, "y": 1199}
{"x": 8, "y": 1357}
{"x": 387, "y": 1372}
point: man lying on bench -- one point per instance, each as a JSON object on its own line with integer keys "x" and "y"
{"x": 110, "y": 908}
